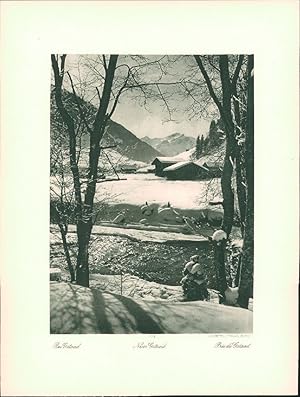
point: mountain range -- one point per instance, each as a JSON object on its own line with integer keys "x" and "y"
{"x": 171, "y": 145}
{"x": 127, "y": 144}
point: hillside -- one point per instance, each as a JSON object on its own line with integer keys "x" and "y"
{"x": 211, "y": 150}
{"x": 128, "y": 145}
{"x": 171, "y": 145}
{"x": 213, "y": 155}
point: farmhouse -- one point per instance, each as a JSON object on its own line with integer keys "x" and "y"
{"x": 128, "y": 168}
{"x": 146, "y": 170}
{"x": 186, "y": 170}
{"x": 162, "y": 162}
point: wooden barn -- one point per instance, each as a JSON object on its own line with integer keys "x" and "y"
{"x": 185, "y": 170}
{"x": 161, "y": 163}
{"x": 128, "y": 168}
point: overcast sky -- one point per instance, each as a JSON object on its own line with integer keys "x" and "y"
{"x": 154, "y": 120}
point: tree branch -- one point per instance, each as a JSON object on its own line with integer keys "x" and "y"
{"x": 58, "y": 78}
{"x": 62, "y": 64}
{"x": 99, "y": 96}
{"x": 208, "y": 83}
{"x": 236, "y": 73}
{"x": 118, "y": 94}
{"x": 78, "y": 105}
{"x": 115, "y": 171}
{"x": 227, "y": 95}
{"x": 165, "y": 102}
{"x": 104, "y": 63}
{"x": 97, "y": 133}
{"x": 106, "y": 93}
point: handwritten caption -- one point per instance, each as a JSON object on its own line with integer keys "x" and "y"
{"x": 149, "y": 345}
{"x": 232, "y": 345}
{"x": 66, "y": 345}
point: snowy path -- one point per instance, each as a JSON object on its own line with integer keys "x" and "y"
{"x": 140, "y": 235}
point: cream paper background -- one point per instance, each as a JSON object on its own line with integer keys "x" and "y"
{"x": 108, "y": 364}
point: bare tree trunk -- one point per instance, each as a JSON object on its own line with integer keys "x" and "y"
{"x": 238, "y": 273}
{"x": 82, "y": 266}
{"x": 227, "y": 192}
{"x": 246, "y": 276}
{"x": 219, "y": 256}
{"x": 63, "y": 233}
{"x": 226, "y": 180}
{"x": 85, "y": 224}
{"x": 240, "y": 185}
{"x": 241, "y": 190}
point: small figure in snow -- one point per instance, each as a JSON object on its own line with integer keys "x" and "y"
{"x": 194, "y": 280}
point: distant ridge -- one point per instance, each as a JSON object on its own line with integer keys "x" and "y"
{"x": 127, "y": 144}
{"x": 171, "y": 145}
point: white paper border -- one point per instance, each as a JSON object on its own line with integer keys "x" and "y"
{"x": 108, "y": 365}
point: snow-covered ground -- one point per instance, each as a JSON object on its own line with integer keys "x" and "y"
{"x": 137, "y": 288}
{"x": 139, "y": 188}
{"x": 135, "y": 234}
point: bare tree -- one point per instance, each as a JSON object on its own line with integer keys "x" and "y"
{"x": 230, "y": 102}
{"x": 224, "y": 105}
{"x": 84, "y": 205}
{"x": 61, "y": 202}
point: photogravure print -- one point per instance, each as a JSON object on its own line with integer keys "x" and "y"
{"x": 152, "y": 195}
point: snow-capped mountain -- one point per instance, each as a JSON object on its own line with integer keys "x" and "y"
{"x": 171, "y": 145}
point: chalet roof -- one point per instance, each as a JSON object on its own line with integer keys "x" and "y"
{"x": 180, "y": 164}
{"x": 166, "y": 160}
{"x": 129, "y": 166}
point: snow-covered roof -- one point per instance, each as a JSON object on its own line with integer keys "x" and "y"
{"x": 214, "y": 158}
{"x": 126, "y": 166}
{"x": 178, "y": 165}
{"x": 167, "y": 159}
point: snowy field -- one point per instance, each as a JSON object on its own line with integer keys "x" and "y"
{"x": 139, "y": 188}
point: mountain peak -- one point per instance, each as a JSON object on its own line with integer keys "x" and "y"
{"x": 172, "y": 144}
